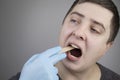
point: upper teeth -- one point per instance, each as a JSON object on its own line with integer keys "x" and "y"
{"x": 74, "y": 46}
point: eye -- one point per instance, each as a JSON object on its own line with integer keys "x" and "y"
{"x": 75, "y": 21}
{"x": 95, "y": 30}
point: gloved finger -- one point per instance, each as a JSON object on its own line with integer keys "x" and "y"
{"x": 56, "y": 58}
{"x": 51, "y": 51}
{"x": 32, "y": 58}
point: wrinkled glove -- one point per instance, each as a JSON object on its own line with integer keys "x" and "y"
{"x": 41, "y": 66}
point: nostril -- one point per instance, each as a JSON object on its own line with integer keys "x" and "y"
{"x": 82, "y": 38}
{"x": 79, "y": 35}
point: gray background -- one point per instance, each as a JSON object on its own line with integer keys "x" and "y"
{"x": 31, "y": 26}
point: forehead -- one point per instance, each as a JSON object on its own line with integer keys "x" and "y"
{"x": 94, "y": 12}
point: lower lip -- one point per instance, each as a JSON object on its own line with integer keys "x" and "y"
{"x": 71, "y": 57}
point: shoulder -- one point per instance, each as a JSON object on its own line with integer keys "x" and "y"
{"x": 107, "y": 74}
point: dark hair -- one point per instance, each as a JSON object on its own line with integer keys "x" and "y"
{"x": 108, "y": 4}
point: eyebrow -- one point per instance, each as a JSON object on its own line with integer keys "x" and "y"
{"x": 94, "y": 21}
{"x": 79, "y": 14}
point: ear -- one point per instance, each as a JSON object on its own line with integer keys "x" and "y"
{"x": 109, "y": 45}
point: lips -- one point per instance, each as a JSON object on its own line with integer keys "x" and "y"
{"x": 75, "y": 53}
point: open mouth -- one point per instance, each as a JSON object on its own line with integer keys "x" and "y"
{"x": 76, "y": 52}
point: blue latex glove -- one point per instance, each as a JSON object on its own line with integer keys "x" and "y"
{"x": 41, "y": 66}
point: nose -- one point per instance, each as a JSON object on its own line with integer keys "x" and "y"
{"x": 79, "y": 33}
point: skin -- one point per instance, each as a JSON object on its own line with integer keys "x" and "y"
{"x": 87, "y": 26}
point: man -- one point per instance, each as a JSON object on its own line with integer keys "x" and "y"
{"x": 90, "y": 27}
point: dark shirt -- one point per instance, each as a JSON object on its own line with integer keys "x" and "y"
{"x": 106, "y": 74}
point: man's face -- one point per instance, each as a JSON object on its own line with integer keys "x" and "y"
{"x": 87, "y": 28}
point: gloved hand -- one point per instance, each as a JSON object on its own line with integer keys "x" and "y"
{"x": 41, "y": 66}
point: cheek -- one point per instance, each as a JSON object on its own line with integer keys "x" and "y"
{"x": 94, "y": 53}
{"x": 98, "y": 49}
{"x": 64, "y": 35}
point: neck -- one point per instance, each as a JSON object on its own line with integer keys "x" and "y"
{"x": 93, "y": 73}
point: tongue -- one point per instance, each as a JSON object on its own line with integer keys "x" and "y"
{"x": 76, "y": 52}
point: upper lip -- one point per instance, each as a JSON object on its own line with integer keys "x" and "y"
{"x": 78, "y": 46}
